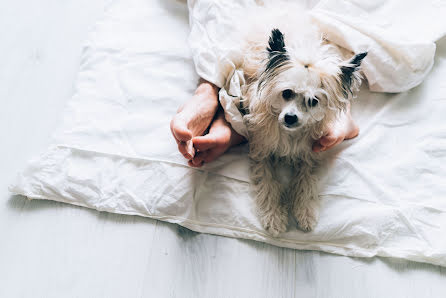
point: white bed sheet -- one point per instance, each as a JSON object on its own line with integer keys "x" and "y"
{"x": 383, "y": 193}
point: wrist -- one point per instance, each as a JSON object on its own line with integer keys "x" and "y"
{"x": 205, "y": 87}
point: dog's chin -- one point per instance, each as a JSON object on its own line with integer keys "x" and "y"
{"x": 290, "y": 129}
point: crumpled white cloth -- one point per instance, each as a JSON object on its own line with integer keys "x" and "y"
{"x": 399, "y": 36}
{"x": 383, "y": 193}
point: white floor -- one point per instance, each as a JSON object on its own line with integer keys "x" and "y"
{"x": 50, "y": 249}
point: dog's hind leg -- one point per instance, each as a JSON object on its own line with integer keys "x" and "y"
{"x": 303, "y": 190}
{"x": 272, "y": 212}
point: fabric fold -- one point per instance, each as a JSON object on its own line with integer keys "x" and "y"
{"x": 382, "y": 193}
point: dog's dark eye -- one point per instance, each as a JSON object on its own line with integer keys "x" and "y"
{"x": 312, "y": 102}
{"x": 288, "y": 94}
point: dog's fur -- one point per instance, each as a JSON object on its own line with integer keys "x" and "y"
{"x": 291, "y": 70}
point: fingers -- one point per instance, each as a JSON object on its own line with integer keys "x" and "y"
{"x": 208, "y": 150}
{"x": 206, "y": 142}
{"x": 317, "y": 147}
{"x": 212, "y": 155}
{"x": 205, "y": 157}
{"x": 198, "y": 159}
{"x": 338, "y": 141}
{"x": 183, "y": 137}
{"x": 329, "y": 139}
{"x": 187, "y": 149}
{"x": 179, "y": 130}
{"x": 327, "y": 142}
{"x": 353, "y": 133}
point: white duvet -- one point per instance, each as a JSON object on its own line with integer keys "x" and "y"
{"x": 383, "y": 193}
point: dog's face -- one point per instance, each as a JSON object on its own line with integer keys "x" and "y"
{"x": 296, "y": 98}
{"x": 302, "y": 84}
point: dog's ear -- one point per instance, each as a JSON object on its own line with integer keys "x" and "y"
{"x": 350, "y": 78}
{"x": 276, "y": 43}
{"x": 277, "y": 54}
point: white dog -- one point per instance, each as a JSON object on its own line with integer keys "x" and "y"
{"x": 297, "y": 84}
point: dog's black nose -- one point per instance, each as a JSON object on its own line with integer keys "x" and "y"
{"x": 290, "y": 119}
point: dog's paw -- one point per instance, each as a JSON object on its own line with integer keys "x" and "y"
{"x": 306, "y": 217}
{"x": 275, "y": 223}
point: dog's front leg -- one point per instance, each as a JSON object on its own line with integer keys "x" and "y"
{"x": 303, "y": 189}
{"x": 273, "y": 214}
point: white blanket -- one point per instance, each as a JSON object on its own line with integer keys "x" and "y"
{"x": 398, "y": 35}
{"x": 382, "y": 193}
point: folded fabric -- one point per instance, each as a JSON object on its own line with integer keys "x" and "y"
{"x": 399, "y": 36}
{"x": 382, "y": 193}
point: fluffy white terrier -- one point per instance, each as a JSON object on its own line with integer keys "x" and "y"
{"x": 297, "y": 84}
